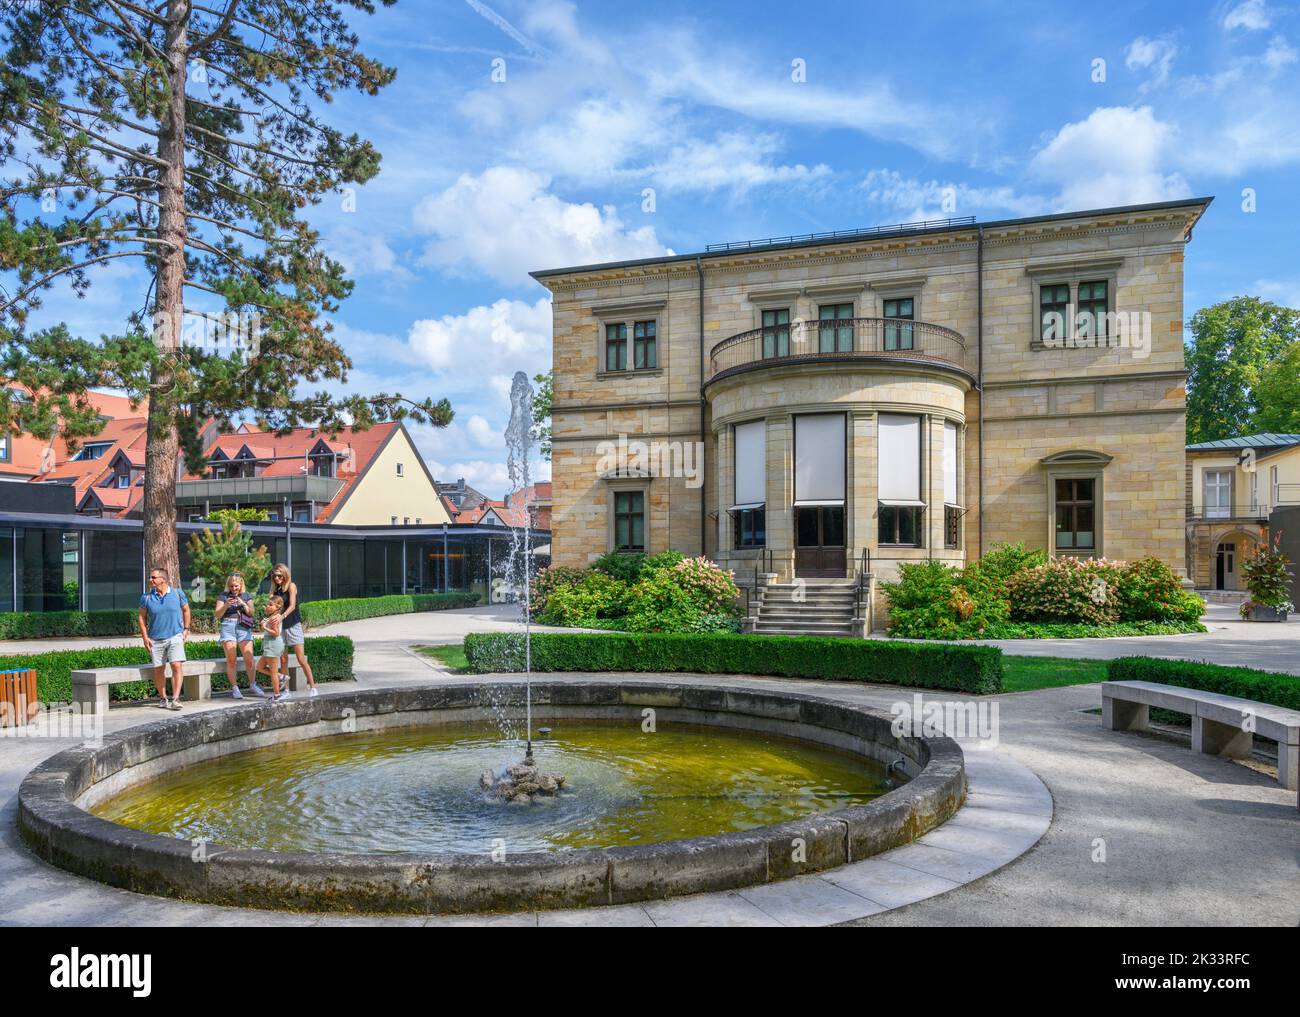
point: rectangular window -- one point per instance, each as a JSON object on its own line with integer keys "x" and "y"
{"x": 123, "y": 480}
{"x": 629, "y": 520}
{"x": 616, "y": 347}
{"x": 643, "y": 345}
{"x": 776, "y": 333}
{"x": 302, "y": 515}
{"x": 1218, "y": 494}
{"x": 901, "y": 524}
{"x": 898, "y": 336}
{"x": 1092, "y": 309}
{"x": 401, "y": 470}
{"x": 834, "y": 338}
{"x": 751, "y": 527}
{"x": 4, "y": 448}
{"x": 1076, "y": 515}
{"x": 1054, "y": 311}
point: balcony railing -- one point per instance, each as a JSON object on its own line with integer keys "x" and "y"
{"x": 1240, "y": 510}
{"x": 252, "y": 490}
{"x": 842, "y": 338}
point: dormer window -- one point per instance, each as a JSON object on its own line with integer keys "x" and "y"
{"x": 92, "y": 450}
{"x": 123, "y": 480}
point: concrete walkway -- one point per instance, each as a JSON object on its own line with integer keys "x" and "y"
{"x": 1144, "y": 831}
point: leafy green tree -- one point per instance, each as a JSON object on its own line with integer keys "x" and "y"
{"x": 542, "y": 396}
{"x": 184, "y": 138}
{"x": 217, "y": 555}
{"x": 1278, "y": 394}
{"x": 240, "y": 515}
{"x": 1235, "y": 345}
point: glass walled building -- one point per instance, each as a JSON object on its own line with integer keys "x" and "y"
{"x": 72, "y": 562}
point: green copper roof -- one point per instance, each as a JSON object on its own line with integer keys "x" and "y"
{"x": 1269, "y": 439}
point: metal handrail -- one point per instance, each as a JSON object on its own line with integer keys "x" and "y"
{"x": 829, "y": 339}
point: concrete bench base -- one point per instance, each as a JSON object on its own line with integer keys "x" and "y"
{"x": 1221, "y": 725}
{"x": 90, "y": 689}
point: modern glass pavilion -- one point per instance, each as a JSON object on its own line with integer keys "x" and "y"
{"x": 54, "y": 562}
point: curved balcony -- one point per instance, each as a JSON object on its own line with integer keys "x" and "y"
{"x": 842, "y": 339}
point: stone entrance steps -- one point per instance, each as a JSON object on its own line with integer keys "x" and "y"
{"x": 812, "y": 608}
{"x": 1225, "y": 596}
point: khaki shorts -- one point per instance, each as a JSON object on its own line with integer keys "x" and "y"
{"x": 168, "y": 651}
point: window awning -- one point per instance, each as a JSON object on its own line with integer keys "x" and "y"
{"x": 747, "y": 506}
{"x": 901, "y": 503}
{"x": 959, "y": 508}
{"x": 815, "y": 504}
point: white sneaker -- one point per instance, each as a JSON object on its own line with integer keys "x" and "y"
{"x": 256, "y": 690}
{"x": 313, "y": 691}
{"x": 280, "y": 698}
{"x": 176, "y": 704}
{"x": 166, "y": 704}
{"x": 235, "y": 693}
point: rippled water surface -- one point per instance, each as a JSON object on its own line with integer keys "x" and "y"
{"x": 417, "y": 790}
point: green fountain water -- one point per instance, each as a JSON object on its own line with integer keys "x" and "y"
{"x": 417, "y": 790}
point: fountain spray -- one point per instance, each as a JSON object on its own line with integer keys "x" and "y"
{"x": 519, "y": 439}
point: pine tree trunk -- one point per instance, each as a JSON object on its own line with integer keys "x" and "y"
{"x": 162, "y": 444}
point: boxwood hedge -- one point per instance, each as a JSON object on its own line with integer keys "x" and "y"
{"x": 975, "y": 669}
{"x": 330, "y": 657}
{"x": 1245, "y": 682}
{"x": 54, "y": 624}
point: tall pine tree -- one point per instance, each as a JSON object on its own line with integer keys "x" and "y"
{"x": 183, "y": 137}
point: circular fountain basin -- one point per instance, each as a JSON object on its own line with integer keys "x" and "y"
{"x": 369, "y": 801}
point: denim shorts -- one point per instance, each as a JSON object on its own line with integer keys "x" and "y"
{"x": 168, "y": 651}
{"x": 233, "y": 632}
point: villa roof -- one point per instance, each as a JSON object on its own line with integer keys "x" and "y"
{"x": 1268, "y": 440}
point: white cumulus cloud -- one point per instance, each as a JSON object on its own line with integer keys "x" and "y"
{"x": 1252, "y": 15}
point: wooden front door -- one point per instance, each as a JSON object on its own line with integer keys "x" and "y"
{"x": 819, "y": 542}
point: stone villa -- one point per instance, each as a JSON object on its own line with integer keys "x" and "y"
{"x": 826, "y": 407}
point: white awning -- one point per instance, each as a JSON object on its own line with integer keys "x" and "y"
{"x": 819, "y": 459}
{"x": 901, "y": 503}
{"x": 751, "y": 463}
{"x": 746, "y": 506}
{"x": 950, "y": 463}
{"x": 814, "y": 504}
{"x": 899, "y": 458}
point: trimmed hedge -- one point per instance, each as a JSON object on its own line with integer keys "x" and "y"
{"x": 1244, "y": 682}
{"x": 975, "y": 669}
{"x": 330, "y": 658}
{"x": 68, "y": 624}
{"x": 326, "y": 612}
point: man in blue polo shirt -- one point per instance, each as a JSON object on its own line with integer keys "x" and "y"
{"x": 164, "y": 626}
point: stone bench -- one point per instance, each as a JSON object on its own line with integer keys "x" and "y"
{"x": 90, "y": 687}
{"x": 1218, "y": 722}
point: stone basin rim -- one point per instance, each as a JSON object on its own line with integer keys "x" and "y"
{"x": 62, "y": 832}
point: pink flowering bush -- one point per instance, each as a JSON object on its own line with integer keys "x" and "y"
{"x": 1067, "y": 590}
{"x": 692, "y": 595}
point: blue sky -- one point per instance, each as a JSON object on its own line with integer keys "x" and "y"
{"x": 908, "y": 111}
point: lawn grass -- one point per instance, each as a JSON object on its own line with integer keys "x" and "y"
{"x": 452, "y": 656}
{"x": 1023, "y": 674}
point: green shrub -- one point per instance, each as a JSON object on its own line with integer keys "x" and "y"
{"x": 1078, "y": 630}
{"x": 974, "y": 669}
{"x": 597, "y": 595}
{"x": 920, "y": 603}
{"x": 620, "y": 565}
{"x": 548, "y": 580}
{"x": 327, "y": 612}
{"x": 1244, "y": 682}
{"x": 1150, "y": 591}
{"x": 676, "y": 596}
{"x": 216, "y": 556}
{"x": 330, "y": 657}
{"x": 1002, "y": 561}
{"x": 1067, "y": 590}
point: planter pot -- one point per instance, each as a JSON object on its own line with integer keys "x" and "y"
{"x": 1267, "y": 614}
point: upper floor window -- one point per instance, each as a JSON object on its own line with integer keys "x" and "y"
{"x": 776, "y": 332}
{"x": 629, "y": 520}
{"x": 1218, "y": 494}
{"x": 833, "y": 338}
{"x": 1093, "y": 306}
{"x": 616, "y": 346}
{"x": 401, "y": 469}
{"x": 898, "y": 336}
{"x": 93, "y": 450}
{"x": 322, "y": 466}
{"x": 644, "y": 354}
{"x": 123, "y": 480}
{"x": 4, "y": 448}
{"x": 1054, "y": 311}
{"x": 1076, "y": 513}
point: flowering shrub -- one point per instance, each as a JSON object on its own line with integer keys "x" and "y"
{"x": 1268, "y": 574}
{"x": 679, "y": 597}
{"x": 1150, "y": 591}
{"x": 1067, "y": 590}
{"x": 547, "y": 581}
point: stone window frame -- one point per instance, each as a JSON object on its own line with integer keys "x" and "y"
{"x": 628, "y": 313}
{"x": 900, "y": 289}
{"x": 1078, "y": 464}
{"x": 616, "y": 488}
{"x": 1069, "y": 272}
